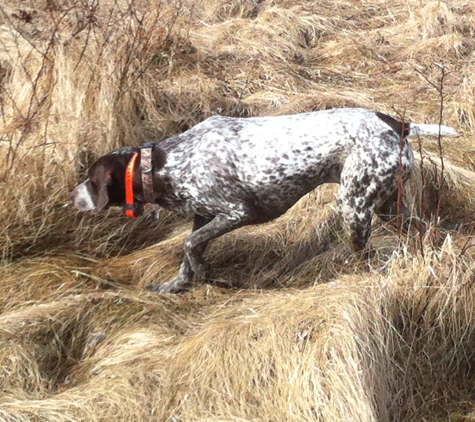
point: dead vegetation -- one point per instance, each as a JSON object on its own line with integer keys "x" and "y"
{"x": 292, "y": 325}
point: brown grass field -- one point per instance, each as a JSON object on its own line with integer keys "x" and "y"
{"x": 291, "y": 325}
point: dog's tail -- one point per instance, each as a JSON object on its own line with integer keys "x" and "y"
{"x": 420, "y": 129}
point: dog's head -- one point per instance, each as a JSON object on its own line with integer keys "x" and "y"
{"x": 105, "y": 185}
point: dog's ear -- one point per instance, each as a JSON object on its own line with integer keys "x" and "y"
{"x": 102, "y": 193}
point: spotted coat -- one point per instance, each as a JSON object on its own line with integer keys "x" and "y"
{"x": 230, "y": 172}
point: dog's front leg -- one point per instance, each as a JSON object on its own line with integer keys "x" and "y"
{"x": 197, "y": 241}
{"x": 194, "y": 247}
{"x": 186, "y": 273}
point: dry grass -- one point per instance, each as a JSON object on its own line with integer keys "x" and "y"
{"x": 292, "y": 325}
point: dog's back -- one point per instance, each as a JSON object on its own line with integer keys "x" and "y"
{"x": 274, "y": 161}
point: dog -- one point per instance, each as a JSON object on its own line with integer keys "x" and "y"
{"x": 232, "y": 172}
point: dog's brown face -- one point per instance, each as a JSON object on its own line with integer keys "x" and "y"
{"x": 105, "y": 185}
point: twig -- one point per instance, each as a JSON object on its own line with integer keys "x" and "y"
{"x": 423, "y": 189}
{"x": 440, "y": 89}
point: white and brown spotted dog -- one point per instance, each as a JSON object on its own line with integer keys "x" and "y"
{"x": 231, "y": 172}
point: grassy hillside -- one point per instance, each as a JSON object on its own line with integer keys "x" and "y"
{"x": 291, "y": 326}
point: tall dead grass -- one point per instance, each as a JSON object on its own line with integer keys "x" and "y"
{"x": 293, "y": 325}
{"x": 388, "y": 344}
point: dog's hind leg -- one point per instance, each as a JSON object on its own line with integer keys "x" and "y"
{"x": 186, "y": 273}
{"x": 356, "y": 201}
{"x": 356, "y": 223}
{"x": 364, "y": 191}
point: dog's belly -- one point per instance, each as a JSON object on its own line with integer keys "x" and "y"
{"x": 276, "y": 178}
{"x": 273, "y": 198}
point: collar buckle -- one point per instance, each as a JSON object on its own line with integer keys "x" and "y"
{"x": 133, "y": 210}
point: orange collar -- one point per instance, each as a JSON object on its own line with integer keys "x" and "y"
{"x": 132, "y": 209}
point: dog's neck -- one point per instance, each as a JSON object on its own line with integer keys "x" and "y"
{"x": 139, "y": 181}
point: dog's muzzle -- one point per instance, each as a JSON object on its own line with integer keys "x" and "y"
{"x": 82, "y": 199}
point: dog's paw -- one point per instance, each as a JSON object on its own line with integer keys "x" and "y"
{"x": 173, "y": 286}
